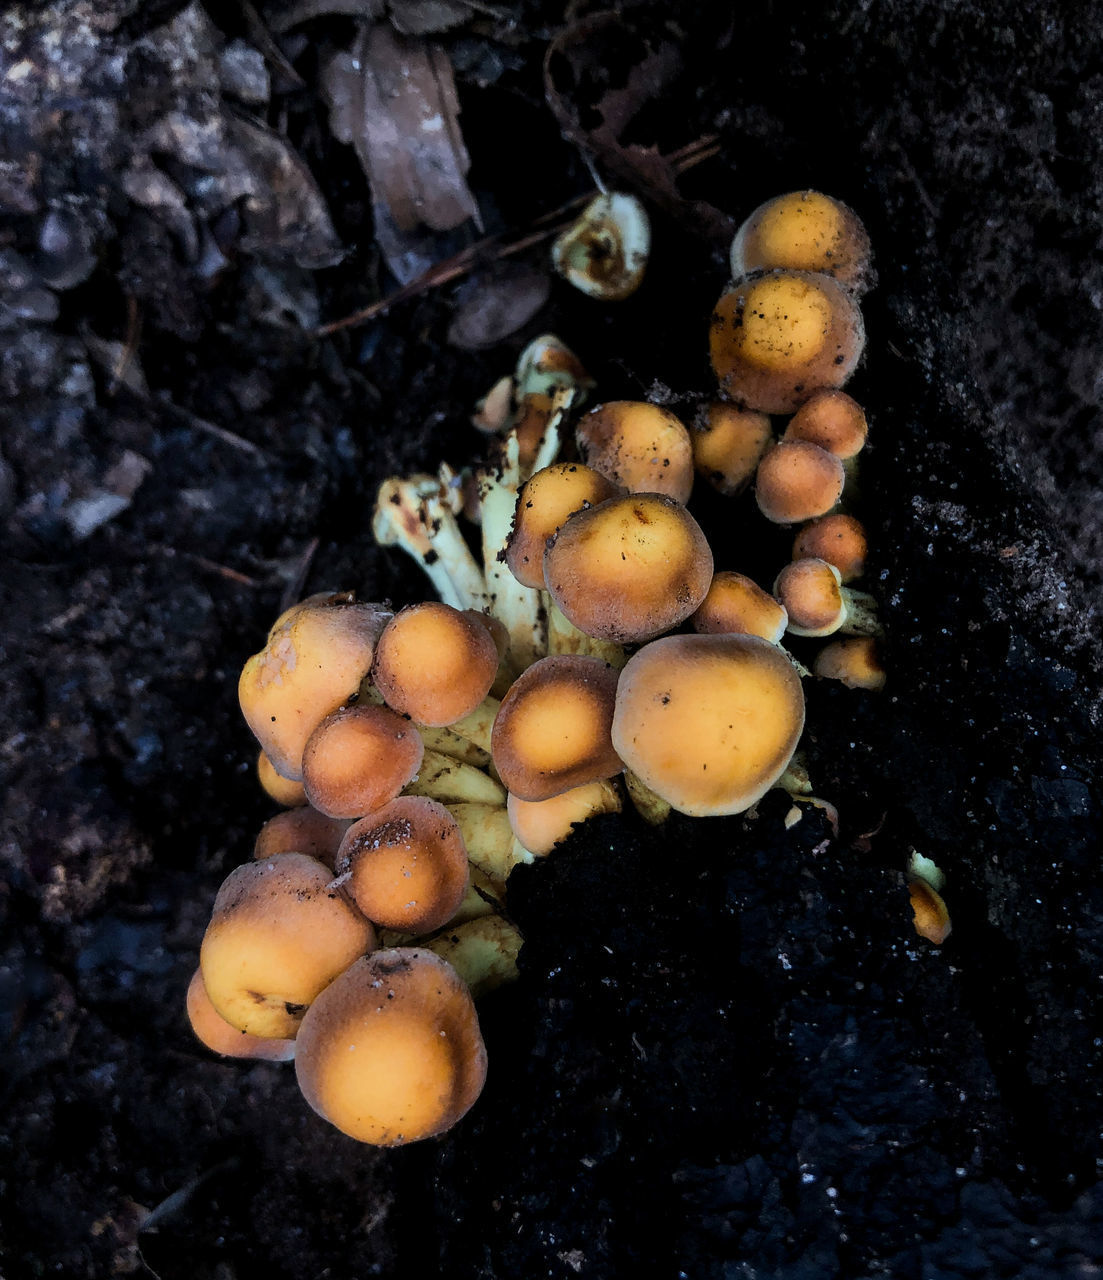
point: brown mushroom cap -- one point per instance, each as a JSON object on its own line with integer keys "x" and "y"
{"x": 812, "y": 594}
{"x": 639, "y": 447}
{"x": 316, "y": 656}
{"x": 406, "y": 865}
{"x": 854, "y": 660}
{"x": 839, "y": 539}
{"x": 434, "y": 664}
{"x": 301, "y": 830}
{"x": 735, "y": 603}
{"x": 540, "y": 825}
{"x": 805, "y": 231}
{"x": 798, "y": 481}
{"x": 544, "y": 504}
{"x": 358, "y": 759}
{"x": 833, "y": 420}
{"x": 709, "y": 723}
{"x": 728, "y": 444}
{"x": 552, "y": 730}
{"x": 279, "y": 934}
{"x": 391, "y": 1051}
{"x": 630, "y": 568}
{"x": 217, "y": 1035}
{"x": 777, "y": 336}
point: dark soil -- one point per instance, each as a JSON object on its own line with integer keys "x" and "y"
{"x": 728, "y": 1054}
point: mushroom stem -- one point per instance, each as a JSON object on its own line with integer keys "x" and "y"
{"x": 565, "y": 637}
{"x": 651, "y": 807}
{"x": 861, "y": 614}
{"x": 483, "y": 952}
{"x": 491, "y": 844}
{"x": 451, "y": 781}
{"x": 475, "y": 727}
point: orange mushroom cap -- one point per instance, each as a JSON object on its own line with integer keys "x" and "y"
{"x": 630, "y": 568}
{"x": 833, "y": 420}
{"x": 301, "y": 830}
{"x": 283, "y": 790}
{"x": 797, "y": 480}
{"x": 812, "y": 593}
{"x": 545, "y": 503}
{"x": 805, "y": 231}
{"x": 854, "y": 660}
{"x": 839, "y": 539}
{"x": 216, "y": 1034}
{"x": 736, "y": 603}
{"x": 552, "y": 729}
{"x": 540, "y": 825}
{"x": 391, "y": 1052}
{"x": 406, "y": 865}
{"x": 778, "y": 336}
{"x": 358, "y": 759}
{"x": 434, "y": 663}
{"x": 728, "y": 444}
{"x": 708, "y": 722}
{"x": 639, "y": 447}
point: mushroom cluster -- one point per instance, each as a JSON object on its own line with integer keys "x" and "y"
{"x": 590, "y": 652}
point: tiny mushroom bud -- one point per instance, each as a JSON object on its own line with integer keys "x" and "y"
{"x": 797, "y": 481}
{"x": 302, "y": 830}
{"x": 819, "y": 605}
{"x": 839, "y": 539}
{"x": 735, "y": 603}
{"x": 316, "y": 656}
{"x": 391, "y": 1052}
{"x": 604, "y": 253}
{"x": 854, "y": 660}
{"x": 630, "y": 568}
{"x": 708, "y": 722}
{"x": 358, "y": 759}
{"x": 540, "y": 825}
{"x": 552, "y": 732}
{"x": 434, "y": 663}
{"x": 279, "y": 934}
{"x": 806, "y": 231}
{"x": 777, "y": 336}
{"x": 639, "y": 447}
{"x": 545, "y": 502}
{"x": 728, "y": 444}
{"x": 283, "y": 790}
{"x": 929, "y": 912}
{"x": 405, "y": 865}
{"x": 833, "y": 420}
{"x": 217, "y": 1035}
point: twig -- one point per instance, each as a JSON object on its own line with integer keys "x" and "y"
{"x": 223, "y": 571}
{"x": 210, "y": 428}
{"x": 294, "y": 587}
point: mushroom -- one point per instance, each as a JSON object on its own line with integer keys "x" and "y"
{"x": 314, "y": 660}
{"x": 639, "y": 447}
{"x": 833, "y": 420}
{"x": 930, "y": 914}
{"x": 405, "y": 865}
{"x": 708, "y": 723}
{"x": 488, "y": 835}
{"x": 539, "y": 825}
{"x": 839, "y": 539}
{"x": 434, "y": 663}
{"x": 854, "y": 660}
{"x": 805, "y": 231}
{"x": 604, "y": 252}
{"x": 545, "y": 502}
{"x": 735, "y": 603}
{"x": 552, "y": 732}
{"x": 797, "y": 480}
{"x": 629, "y": 568}
{"x": 216, "y": 1034}
{"x": 302, "y": 830}
{"x": 819, "y": 605}
{"x": 451, "y": 781}
{"x": 358, "y": 759}
{"x": 279, "y": 934}
{"x": 283, "y": 790}
{"x": 778, "y": 336}
{"x": 483, "y": 952}
{"x": 728, "y": 443}
{"x": 391, "y": 1052}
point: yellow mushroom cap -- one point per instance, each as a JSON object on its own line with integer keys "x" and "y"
{"x": 545, "y": 503}
{"x": 391, "y": 1052}
{"x": 812, "y": 594}
{"x": 805, "y": 231}
{"x": 552, "y": 729}
{"x": 833, "y": 420}
{"x": 358, "y": 759}
{"x": 314, "y": 660}
{"x": 540, "y": 825}
{"x": 638, "y": 446}
{"x": 778, "y": 336}
{"x": 217, "y": 1035}
{"x": 406, "y": 865}
{"x": 839, "y": 539}
{"x": 279, "y": 934}
{"x": 302, "y": 830}
{"x": 929, "y": 912}
{"x": 728, "y": 444}
{"x": 630, "y": 568}
{"x": 283, "y": 790}
{"x": 798, "y": 481}
{"x": 735, "y": 603}
{"x": 434, "y": 663}
{"x": 854, "y": 660}
{"x": 709, "y": 723}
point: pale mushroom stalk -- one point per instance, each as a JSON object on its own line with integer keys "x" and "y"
{"x": 451, "y": 781}
{"x": 565, "y": 637}
{"x": 491, "y": 844}
{"x": 652, "y": 808}
{"x": 483, "y": 951}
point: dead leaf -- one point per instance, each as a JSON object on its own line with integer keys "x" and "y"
{"x": 424, "y": 17}
{"x": 492, "y": 308}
